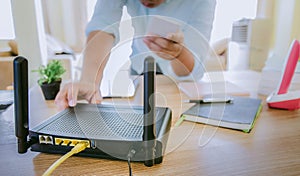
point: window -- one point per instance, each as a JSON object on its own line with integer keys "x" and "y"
{"x": 90, "y": 8}
{"x": 6, "y": 21}
{"x": 228, "y": 11}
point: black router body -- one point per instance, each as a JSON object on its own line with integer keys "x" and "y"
{"x": 112, "y": 131}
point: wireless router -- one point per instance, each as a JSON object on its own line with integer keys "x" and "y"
{"x": 111, "y": 131}
{"x": 281, "y": 98}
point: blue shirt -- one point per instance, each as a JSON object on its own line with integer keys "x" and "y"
{"x": 194, "y": 16}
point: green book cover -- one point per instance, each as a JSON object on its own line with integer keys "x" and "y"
{"x": 239, "y": 114}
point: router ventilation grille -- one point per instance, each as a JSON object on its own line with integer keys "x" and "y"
{"x": 118, "y": 124}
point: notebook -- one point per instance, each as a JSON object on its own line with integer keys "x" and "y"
{"x": 239, "y": 114}
{"x": 196, "y": 90}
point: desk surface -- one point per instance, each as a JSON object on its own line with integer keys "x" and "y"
{"x": 272, "y": 147}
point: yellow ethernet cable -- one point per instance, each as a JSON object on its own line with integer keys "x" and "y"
{"x": 76, "y": 149}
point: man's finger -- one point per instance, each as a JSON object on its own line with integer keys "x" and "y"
{"x": 96, "y": 98}
{"x": 61, "y": 101}
{"x": 72, "y": 95}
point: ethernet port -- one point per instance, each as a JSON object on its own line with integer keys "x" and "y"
{"x": 49, "y": 140}
{"x": 45, "y": 139}
{"x": 42, "y": 139}
{"x": 58, "y": 141}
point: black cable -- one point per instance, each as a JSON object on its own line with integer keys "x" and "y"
{"x": 129, "y": 167}
{"x": 129, "y": 156}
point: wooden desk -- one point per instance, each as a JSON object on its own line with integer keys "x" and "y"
{"x": 272, "y": 147}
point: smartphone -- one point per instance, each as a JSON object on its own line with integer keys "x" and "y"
{"x": 162, "y": 26}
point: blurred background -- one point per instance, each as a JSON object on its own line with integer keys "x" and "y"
{"x": 247, "y": 34}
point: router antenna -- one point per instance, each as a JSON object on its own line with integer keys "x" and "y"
{"x": 21, "y": 102}
{"x": 149, "y": 138}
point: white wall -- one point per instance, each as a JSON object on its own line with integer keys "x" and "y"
{"x": 6, "y": 23}
{"x": 30, "y": 34}
{"x": 66, "y": 21}
{"x": 284, "y": 16}
{"x": 228, "y": 11}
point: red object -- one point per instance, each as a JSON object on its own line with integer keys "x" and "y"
{"x": 288, "y": 104}
{"x": 282, "y": 98}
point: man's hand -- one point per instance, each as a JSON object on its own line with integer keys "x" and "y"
{"x": 168, "y": 48}
{"x": 172, "y": 48}
{"x": 72, "y": 91}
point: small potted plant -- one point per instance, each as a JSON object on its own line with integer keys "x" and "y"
{"x": 50, "y": 78}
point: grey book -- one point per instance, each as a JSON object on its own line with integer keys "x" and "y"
{"x": 239, "y": 114}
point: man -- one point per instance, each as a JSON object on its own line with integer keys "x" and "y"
{"x": 178, "y": 54}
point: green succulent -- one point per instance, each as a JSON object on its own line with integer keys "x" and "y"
{"x": 51, "y": 72}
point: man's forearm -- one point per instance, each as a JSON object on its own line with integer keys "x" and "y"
{"x": 183, "y": 65}
{"x": 96, "y": 54}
